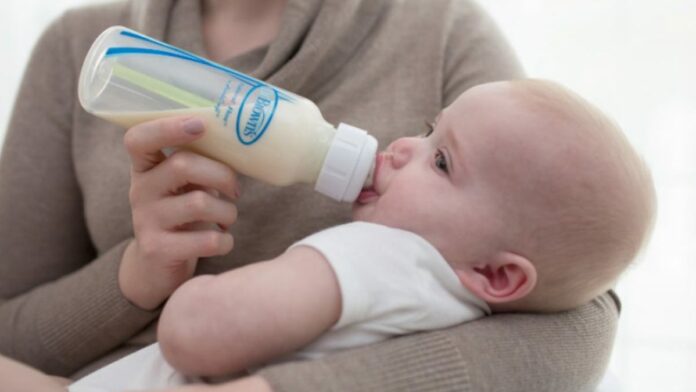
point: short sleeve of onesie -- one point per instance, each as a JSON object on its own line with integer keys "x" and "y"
{"x": 392, "y": 282}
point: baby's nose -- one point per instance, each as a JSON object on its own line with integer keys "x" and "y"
{"x": 402, "y": 150}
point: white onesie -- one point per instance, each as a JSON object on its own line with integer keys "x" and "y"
{"x": 393, "y": 282}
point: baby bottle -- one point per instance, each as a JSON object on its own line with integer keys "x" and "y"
{"x": 258, "y": 129}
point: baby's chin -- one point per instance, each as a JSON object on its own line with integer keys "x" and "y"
{"x": 365, "y": 213}
{"x": 370, "y": 213}
{"x": 358, "y": 212}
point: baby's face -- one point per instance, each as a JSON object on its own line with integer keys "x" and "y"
{"x": 449, "y": 186}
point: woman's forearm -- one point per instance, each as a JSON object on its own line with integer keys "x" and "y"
{"x": 61, "y": 326}
{"x": 552, "y": 352}
{"x": 60, "y": 305}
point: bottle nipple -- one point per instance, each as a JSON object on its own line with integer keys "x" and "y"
{"x": 349, "y": 164}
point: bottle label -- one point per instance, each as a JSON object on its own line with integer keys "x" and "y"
{"x": 249, "y": 109}
{"x": 260, "y": 104}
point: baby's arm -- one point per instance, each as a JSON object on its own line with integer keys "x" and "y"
{"x": 223, "y": 324}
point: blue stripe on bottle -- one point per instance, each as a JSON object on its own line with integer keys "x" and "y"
{"x": 116, "y": 51}
{"x": 145, "y": 38}
{"x": 184, "y": 55}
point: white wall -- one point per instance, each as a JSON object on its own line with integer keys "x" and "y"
{"x": 633, "y": 58}
{"x": 21, "y": 23}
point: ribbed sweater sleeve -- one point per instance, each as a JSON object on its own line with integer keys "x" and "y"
{"x": 60, "y": 304}
{"x": 509, "y": 352}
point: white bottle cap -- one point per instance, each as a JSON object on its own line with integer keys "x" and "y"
{"x": 348, "y": 163}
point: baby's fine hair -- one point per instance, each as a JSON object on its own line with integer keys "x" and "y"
{"x": 591, "y": 227}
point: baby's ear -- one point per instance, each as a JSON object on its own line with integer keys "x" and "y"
{"x": 503, "y": 278}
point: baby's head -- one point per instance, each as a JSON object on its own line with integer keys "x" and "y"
{"x": 532, "y": 195}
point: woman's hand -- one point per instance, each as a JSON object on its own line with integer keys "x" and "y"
{"x": 181, "y": 206}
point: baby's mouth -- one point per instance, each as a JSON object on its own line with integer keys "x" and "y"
{"x": 370, "y": 192}
{"x": 366, "y": 195}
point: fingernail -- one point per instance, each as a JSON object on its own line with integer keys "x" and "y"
{"x": 193, "y": 126}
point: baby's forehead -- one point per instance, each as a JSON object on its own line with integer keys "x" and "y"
{"x": 528, "y": 124}
{"x": 520, "y": 134}
{"x": 497, "y": 119}
{"x": 534, "y": 96}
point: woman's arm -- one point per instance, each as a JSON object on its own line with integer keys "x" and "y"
{"x": 558, "y": 352}
{"x": 217, "y": 325}
{"x": 60, "y": 303}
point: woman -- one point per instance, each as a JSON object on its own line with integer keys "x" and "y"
{"x": 72, "y": 270}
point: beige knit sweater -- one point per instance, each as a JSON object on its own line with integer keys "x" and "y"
{"x": 383, "y": 65}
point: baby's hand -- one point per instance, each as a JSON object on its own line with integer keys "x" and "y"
{"x": 181, "y": 207}
{"x": 18, "y": 377}
{"x": 246, "y": 384}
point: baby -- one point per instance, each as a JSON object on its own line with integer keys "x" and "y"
{"x": 523, "y": 197}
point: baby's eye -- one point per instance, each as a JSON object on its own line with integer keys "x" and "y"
{"x": 429, "y": 129}
{"x": 441, "y": 161}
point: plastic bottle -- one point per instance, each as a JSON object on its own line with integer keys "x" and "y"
{"x": 258, "y": 129}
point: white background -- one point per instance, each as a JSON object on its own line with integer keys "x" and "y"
{"x": 633, "y": 58}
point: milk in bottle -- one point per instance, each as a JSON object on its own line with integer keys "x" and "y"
{"x": 258, "y": 129}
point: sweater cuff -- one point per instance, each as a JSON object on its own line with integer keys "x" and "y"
{"x": 423, "y": 362}
{"x": 95, "y": 317}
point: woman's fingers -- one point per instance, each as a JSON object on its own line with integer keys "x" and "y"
{"x": 174, "y": 212}
{"x": 177, "y": 246}
{"x": 181, "y": 170}
{"x": 144, "y": 142}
